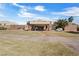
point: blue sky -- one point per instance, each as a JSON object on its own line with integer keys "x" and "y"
{"x": 22, "y": 12}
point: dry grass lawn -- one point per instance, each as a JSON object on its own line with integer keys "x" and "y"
{"x": 25, "y": 48}
{"x": 67, "y": 34}
{"x": 14, "y": 47}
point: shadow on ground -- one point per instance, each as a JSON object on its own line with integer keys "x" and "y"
{"x": 73, "y": 32}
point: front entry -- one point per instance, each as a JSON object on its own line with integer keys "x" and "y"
{"x": 37, "y": 28}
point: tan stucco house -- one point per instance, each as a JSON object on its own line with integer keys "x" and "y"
{"x": 39, "y": 25}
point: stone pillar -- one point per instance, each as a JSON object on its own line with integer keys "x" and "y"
{"x": 45, "y": 27}
{"x": 50, "y": 26}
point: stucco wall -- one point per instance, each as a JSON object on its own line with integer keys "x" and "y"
{"x": 71, "y": 27}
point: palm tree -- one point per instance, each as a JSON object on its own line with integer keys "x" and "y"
{"x": 70, "y": 19}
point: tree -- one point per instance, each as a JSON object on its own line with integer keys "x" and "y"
{"x": 61, "y": 23}
{"x": 70, "y": 19}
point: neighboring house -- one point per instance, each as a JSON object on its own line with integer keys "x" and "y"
{"x": 71, "y": 27}
{"x": 16, "y": 27}
{"x": 39, "y": 25}
{"x": 6, "y": 24}
{"x": 11, "y": 25}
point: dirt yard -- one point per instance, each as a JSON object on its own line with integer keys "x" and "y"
{"x": 38, "y": 43}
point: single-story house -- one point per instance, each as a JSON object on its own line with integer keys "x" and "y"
{"x": 39, "y": 25}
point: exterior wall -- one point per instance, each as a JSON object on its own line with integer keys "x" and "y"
{"x": 26, "y": 27}
{"x": 71, "y": 27}
{"x": 50, "y": 26}
{"x": 29, "y": 27}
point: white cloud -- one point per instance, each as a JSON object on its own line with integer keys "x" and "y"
{"x": 23, "y": 12}
{"x": 31, "y": 16}
{"x": 26, "y": 14}
{"x": 72, "y": 11}
{"x": 40, "y": 8}
{"x": 20, "y": 6}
